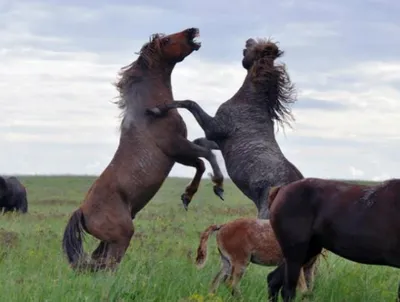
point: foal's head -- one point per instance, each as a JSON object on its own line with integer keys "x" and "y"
{"x": 270, "y": 80}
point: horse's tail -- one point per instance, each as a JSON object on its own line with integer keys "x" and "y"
{"x": 72, "y": 240}
{"x": 201, "y": 257}
{"x": 272, "y": 194}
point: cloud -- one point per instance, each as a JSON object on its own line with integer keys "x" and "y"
{"x": 58, "y": 62}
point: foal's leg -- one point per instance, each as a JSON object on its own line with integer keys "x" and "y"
{"x": 238, "y": 270}
{"x": 222, "y": 275}
{"x": 309, "y": 272}
{"x": 212, "y": 127}
{"x": 302, "y": 283}
{"x": 193, "y": 186}
{"x": 183, "y": 151}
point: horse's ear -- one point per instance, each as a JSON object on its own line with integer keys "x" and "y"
{"x": 250, "y": 42}
{"x": 3, "y": 187}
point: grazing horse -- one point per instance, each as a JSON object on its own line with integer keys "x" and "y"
{"x": 357, "y": 222}
{"x": 246, "y": 240}
{"x": 13, "y": 195}
{"x": 148, "y": 149}
{"x": 243, "y": 127}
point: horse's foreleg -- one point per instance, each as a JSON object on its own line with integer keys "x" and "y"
{"x": 193, "y": 186}
{"x": 210, "y": 125}
{"x": 184, "y": 149}
{"x": 202, "y": 141}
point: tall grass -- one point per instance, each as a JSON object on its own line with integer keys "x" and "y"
{"x": 158, "y": 265}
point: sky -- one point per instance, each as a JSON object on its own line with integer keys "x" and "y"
{"x": 58, "y": 60}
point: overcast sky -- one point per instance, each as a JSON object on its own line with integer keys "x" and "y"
{"x": 58, "y": 60}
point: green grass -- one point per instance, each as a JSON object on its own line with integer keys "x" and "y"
{"x": 158, "y": 265}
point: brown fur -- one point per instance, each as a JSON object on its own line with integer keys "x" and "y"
{"x": 357, "y": 222}
{"x": 246, "y": 240}
{"x": 147, "y": 150}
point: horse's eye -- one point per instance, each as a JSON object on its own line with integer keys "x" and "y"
{"x": 165, "y": 41}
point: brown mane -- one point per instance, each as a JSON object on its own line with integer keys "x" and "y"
{"x": 132, "y": 73}
{"x": 274, "y": 80}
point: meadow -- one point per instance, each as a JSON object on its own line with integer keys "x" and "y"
{"x": 158, "y": 265}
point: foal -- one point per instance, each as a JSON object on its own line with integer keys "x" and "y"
{"x": 358, "y": 222}
{"x": 246, "y": 240}
{"x": 147, "y": 151}
{"x": 243, "y": 127}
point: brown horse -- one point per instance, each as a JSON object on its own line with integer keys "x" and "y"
{"x": 246, "y": 240}
{"x": 357, "y": 222}
{"x": 243, "y": 128}
{"x": 148, "y": 149}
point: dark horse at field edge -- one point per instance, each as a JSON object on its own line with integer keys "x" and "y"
{"x": 243, "y": 127}
{"x": 357, "y": 222}
{"x": 147, "y": 150}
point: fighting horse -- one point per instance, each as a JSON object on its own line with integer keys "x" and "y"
{"x": 243, "y": 127}
{"x": 357, "y": 222}
{"x": 148, "y": 148}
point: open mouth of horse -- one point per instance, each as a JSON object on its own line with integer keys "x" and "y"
{"x": 193, "y": 35}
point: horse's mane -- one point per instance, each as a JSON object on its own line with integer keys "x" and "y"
{"x": 274, "y": 81}
{"x": 132, "y": 73}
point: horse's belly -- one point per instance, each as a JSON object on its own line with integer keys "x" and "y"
{"x": 359, "y": 242}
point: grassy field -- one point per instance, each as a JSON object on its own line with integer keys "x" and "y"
{"x": 159, "y": 263}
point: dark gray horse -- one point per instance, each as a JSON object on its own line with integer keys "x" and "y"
{"x": 243, "y": 127}
{"x": 12, "y": 195}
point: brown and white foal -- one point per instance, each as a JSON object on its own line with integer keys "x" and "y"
{"x": 246, "y": 240}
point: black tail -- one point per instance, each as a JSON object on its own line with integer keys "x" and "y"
{"x": 72, "y": 240}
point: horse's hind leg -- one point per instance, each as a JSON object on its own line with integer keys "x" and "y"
{"x": 183, "y": 150}
{"x": 101, "y": 251}
{"x": 193, "y": 186}
{"x": 222, "y": 275}
{"x": 115, "y": 230}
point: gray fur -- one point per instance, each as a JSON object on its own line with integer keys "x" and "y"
{"x": 243, "y": 127}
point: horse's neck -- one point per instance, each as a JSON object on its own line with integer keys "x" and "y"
{"x": 250, "y": 94}
{"x": 149, "y": 92}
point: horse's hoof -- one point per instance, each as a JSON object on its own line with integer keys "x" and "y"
{"x": 185, "y": 201}
{"x": 219, "y": 192}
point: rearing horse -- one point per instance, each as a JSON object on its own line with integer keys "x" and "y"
{"x": 243, "y": 127}
{"x": 148, "y": 149}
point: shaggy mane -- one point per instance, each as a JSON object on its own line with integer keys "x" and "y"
{"x": 275, "y": 81}
{"x": 131, "y": 74}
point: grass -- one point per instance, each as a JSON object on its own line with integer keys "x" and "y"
{"x": 158, "y": 265}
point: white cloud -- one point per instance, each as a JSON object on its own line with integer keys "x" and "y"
{"x": 356, "y": 173}
{"x": 55, "y": 91}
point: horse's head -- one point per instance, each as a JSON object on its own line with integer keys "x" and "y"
{"x": 271, "y": 80}
{"x": 170, "y": 49}
{"x": 261, "y": 50}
